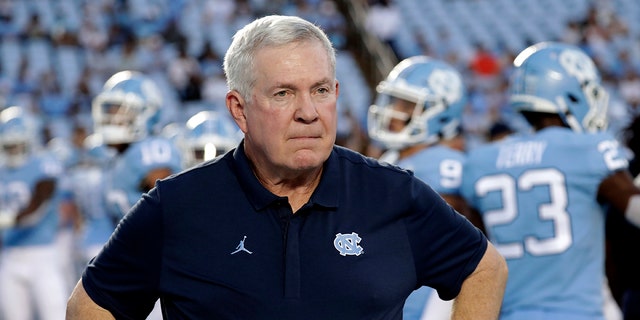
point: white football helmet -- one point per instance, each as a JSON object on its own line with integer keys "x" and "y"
{"x": 560, "y": 79}
{"x": 420, "y": 101}
{"x": 127, "y": 109}
{"x": 18, "y": 135}
{"x": 208, "y": 134}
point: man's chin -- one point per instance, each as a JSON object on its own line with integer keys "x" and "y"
{"x": 306, "y": 159}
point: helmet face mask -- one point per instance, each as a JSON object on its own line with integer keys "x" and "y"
{"x": 15, "y": 154}
{"x": 598, "y": 100}
{"x": 207, "y": 135}
{"x": 127, "y": 109}
{"x": 421, "y": 101}
{"x": 18, "y": 135}
{"x": 206, "y": 152}
{"x": 560, "y": 79}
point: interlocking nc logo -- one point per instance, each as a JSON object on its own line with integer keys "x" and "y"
{"x": 348, "y": 244}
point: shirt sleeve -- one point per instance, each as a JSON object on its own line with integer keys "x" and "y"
{"x": 123, "y": 277}
{"x": 446, "y": 246}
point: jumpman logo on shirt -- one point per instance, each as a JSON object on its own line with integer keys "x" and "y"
{"x": 241, "y": 247}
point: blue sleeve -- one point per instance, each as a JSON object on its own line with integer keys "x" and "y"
{"x": 608, "y": 155}
{"x": 446, "y": 246}
{"x": 123, "y": 278}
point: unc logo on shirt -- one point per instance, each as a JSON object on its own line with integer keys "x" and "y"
{"x": 348, "y": 244}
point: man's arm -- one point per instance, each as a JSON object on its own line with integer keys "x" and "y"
{"x": 481, "y": 294}
{"x": 81, "y": 306}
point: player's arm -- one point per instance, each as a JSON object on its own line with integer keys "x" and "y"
{"x": 619, "y": 190}
{"x": 460, "y": 204}
{"x": 476, "y": 219}
{"x": 81, "y": 306}
{"x": 43, "y": 191}
{"x": 457, "y": 202}
{"x": 482, "y": 291}
{"x": 149, "y": 181}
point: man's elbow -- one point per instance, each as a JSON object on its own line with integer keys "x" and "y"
{"x": 81, "y": 306}
{"x": 496, "y": 267}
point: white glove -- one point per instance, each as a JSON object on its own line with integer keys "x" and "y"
{"x": 7, "y": 218}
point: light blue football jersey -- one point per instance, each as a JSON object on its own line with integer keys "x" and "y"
{"x": 16, "y": 190}
{"x": 84, "y": 184}
{"x": 537, "y": 197}
{"x": 440, "y": 167}
{"x": 130, "y": 168}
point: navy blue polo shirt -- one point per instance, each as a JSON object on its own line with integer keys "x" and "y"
{"x": 213, "y": 243}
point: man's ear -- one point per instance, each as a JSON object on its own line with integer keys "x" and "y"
{"x": 236, "y": 105}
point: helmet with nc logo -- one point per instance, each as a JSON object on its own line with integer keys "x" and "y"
{"x": 127, "y": 109}
{"x": 420, "y": 101}
{"x": 560, "y": 79}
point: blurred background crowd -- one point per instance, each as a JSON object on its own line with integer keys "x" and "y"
{"x": 56, "y": 54}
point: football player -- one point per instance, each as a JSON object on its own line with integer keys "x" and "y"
{"x": 126, "y": 114}
{"x": 30, "y": 274}
{"x": 539, "y": 195}
{"x": 417, "y": 119}
{"x": 83, "y": 190}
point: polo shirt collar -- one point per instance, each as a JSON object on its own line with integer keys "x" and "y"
{"x": 325, "y": 195}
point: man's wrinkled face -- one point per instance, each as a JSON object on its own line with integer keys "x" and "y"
{"x": 291, "y": 120}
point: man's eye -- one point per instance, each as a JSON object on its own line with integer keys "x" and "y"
{"x": 281, "y": 93}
